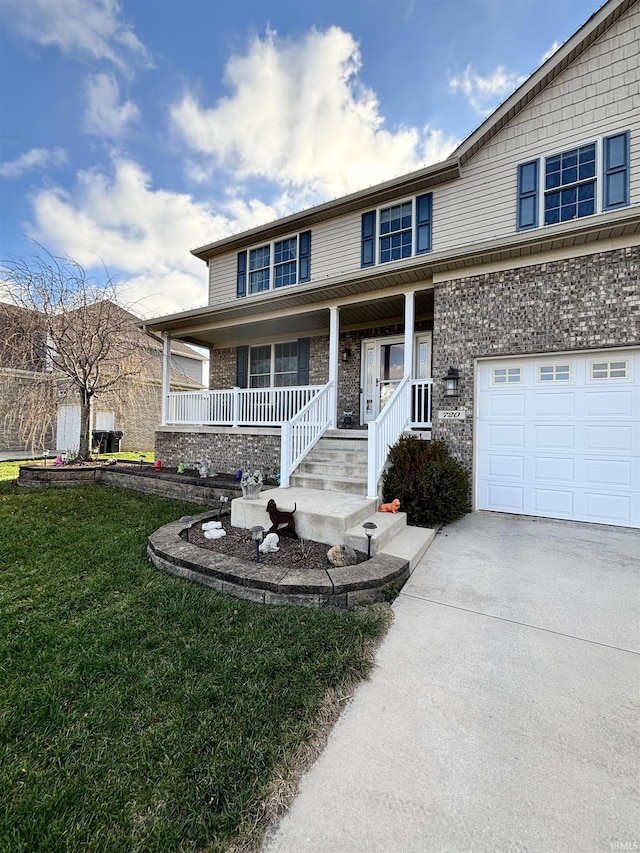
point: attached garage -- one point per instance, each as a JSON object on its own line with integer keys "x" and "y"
{"x": 559, "y": 436}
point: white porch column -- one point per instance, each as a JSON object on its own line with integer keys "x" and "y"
{"x": 409, "y": 322}
{"x": 334, "y": 334}
{"x": 166, "y": 376}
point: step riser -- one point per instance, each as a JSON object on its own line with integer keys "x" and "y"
{"x": 332, "y": 470}
{"x": 342, "y": 445}
{"x": 302, "y": 481}
{"x": 381, "y": 537}
{"x": 349, "y": 456}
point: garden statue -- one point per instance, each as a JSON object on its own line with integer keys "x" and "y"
{"x": 279, "y": 517}
{"x": 270, "y": 543}
{"x": 394, "y": 506}
{"x": 251, "y": 485}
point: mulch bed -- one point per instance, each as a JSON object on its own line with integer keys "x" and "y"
{"x": 293, "y": 554}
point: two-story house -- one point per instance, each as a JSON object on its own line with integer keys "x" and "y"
{"x": 491, "y": 300}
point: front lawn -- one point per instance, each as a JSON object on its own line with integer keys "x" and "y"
{"x": 139, "y": 712}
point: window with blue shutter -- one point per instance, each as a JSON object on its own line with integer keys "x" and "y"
{"x": 616, "y": 171}
{"x": 424, "y": 205}
{"x": 241, "y": 278}
{"x": 242, "y": 366}
{"x": 528, "y": 195}
{"x": 368, "y": 252}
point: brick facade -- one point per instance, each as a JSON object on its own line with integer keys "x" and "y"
{"x": 225, "y": 449}
{"x": 577, "y": 304}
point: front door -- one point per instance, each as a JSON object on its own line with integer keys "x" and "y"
{"x": 383, "y": 368}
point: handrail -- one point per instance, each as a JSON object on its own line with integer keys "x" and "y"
{"x": 302, "y": 431}
{"x": 385, "y": 431}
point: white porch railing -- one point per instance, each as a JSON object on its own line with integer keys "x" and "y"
{"x": 301, "y": 432}
{"x": 421, "y": 403}
{"x": 238, "y": 406}
{"x": 386, "y": 430}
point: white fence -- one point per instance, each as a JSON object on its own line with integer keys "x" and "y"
{"x": 301, "y": 432}
{"x": 421, "y": 403}
{"x": 239, "y": 406}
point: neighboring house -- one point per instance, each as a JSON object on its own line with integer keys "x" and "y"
{"x": 35, "y": 416}
{"x": 514, "y": 264}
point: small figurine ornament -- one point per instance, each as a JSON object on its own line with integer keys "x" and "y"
{"x": 279, "y": 517}
{"x": 203, "y": 469}
{"x": 181, "y": 468}
{"x": 270, "y": 543}
{"x": 58, "y": 461}
{"x": 394, "y": 506}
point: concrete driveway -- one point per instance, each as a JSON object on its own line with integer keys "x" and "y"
{"x": 503, "y": 711}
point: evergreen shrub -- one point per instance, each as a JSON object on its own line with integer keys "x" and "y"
{"x": 432, "y": 487}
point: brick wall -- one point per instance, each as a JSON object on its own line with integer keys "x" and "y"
{"x": 224, "y": 449}
{"x": 577, "y": 304}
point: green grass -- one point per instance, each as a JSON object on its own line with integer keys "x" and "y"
{"x": 139, "y": 712}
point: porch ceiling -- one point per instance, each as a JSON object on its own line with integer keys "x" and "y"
{"x": 303, "y": 321}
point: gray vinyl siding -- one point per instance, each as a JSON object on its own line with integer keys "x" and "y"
{"x": 190, "y": 366}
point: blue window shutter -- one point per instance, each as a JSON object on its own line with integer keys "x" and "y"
{"x": 241, "y": 280}
{"x": 424, "y": 208}
{"x": 616, "y": 171}
{"x": 304, "y": 268}
{"x": 368, "y": 258}
{"x": 527, "y": 195}
{"x": 303, "y": 361}
{"x": 242, "y": 367}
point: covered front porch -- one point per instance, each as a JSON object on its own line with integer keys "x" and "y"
{"x": 365, "y": 364}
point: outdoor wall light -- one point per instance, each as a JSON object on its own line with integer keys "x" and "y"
{"x": 346, "y": 354}
{"x": 256, "y": 534}
{"x": 451, "y": 382}
{"x": 369, "y": 527}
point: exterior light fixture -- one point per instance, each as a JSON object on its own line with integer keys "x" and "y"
{"x": 451, "y": 382}
{"x": 369, "y": 527}
{"x": 256, "y": 534}
{"x": 346, "y": 354}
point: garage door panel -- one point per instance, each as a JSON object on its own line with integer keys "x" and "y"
{"x": 553, "y": 469}
{"x": 608, "y": 403}
{"x": 609, "y": 439}
{"x": 554, "y": 405}
{"x": 553, "y": 502}
{"x": 560, "y": 448}
{"x": 504, "y": 498}
{"x": 555, "y": 436}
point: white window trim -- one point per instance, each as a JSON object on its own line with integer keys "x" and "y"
{"x": 542, "y": 163}
{"x": 272, "y": 264}
{"x": 272, "y": 363}
{"x": 556, "y": 366}
{"x": 609, "y": 362}
{"x": 506, "y": 382}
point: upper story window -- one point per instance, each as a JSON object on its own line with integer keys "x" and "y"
{"x": 276, "y": 264}
{"x": 575, "y": 183}
{"x": 399, "y": 231}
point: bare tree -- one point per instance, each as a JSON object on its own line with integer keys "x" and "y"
{"x": 64, "y": 334}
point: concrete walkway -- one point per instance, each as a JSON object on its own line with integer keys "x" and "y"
{"x": 503, "y": 711}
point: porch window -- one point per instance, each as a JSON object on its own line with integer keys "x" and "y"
{"x": 273, "y": 365}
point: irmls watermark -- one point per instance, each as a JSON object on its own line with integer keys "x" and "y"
{"x": 625, "y": 845}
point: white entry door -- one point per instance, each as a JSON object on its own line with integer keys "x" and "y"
{"x": 68, "y": 432}
{"x": 559, "y": 436}
{"x": 383, "y": 368}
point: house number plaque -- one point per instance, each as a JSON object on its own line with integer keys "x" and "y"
{"x": 452, "y": 415}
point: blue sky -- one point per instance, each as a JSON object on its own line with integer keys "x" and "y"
{"x": 132, "y": 131}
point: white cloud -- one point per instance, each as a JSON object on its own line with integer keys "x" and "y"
{"x": 35, "y": 158}
{"x": 92, "y": 29}
{"x": 105, "y": 116}
{"x": 550, "y": 52}
{"x": 485, "y": 93}
{"x": 298, "y": 115}
{"x": 143, "y": 234}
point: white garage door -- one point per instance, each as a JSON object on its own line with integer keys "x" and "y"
{"x": 68, "y": 434}
{"x": 560, "y": 436}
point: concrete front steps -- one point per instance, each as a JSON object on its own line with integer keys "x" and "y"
{"x": 337, "y": 463}
{"x": 337, "y": 518}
